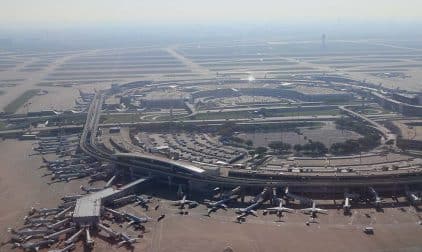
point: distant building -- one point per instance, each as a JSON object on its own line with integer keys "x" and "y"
{"x": 412, "y": 99}
{"x": 323, "y": 38}
{"x": 164, "y": 100}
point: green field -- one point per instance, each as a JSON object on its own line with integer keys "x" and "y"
{"x": 20, "y": 101}
{"x": 268, "y": 113}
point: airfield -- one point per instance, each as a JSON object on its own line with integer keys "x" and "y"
{"x": 196, "y": 116}
{"x": 396, "y": 227}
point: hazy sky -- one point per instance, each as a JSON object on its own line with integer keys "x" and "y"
{"x": 57, "y": 12}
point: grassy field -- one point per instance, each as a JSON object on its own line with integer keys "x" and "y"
{"x": 20, "y": 101}
{"x": 269, "y": 113}
{"x": 2, "y": 126}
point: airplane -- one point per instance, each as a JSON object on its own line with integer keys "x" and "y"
{"x": 116, "y": 214}
{"x": 34, "y": 246}
{"x": 179, "y": 192}
{"x": 68, "y": 248}
{"x": 291, "y": 196}
{"x": 214, "y": 206}
{"x": 142, "y": 201}
{"x": 28, "y": 232}
{"x": 376, "y": 199}
{"x": 181, "y": 203}
{"x": 73, "y": 238}
{"x": 58, "y": 233}
{"x": 248, "y": 210}
{"x": 280, "y": 209}
{"x": 59, "y": 224}
{"x": 110, "y": 181}
{"x": 348, "y": 197}
{"x": 43, "y": 210}
{"x": 261, "y": 197}
{"x": 313, "y": 210}
{"x": 126, "y": 240}
{"x": 413, "y": 197}
{"x": 67, "y": 198}
{"x": 133, "y": 219}
{"x": 109, "y": 231}
{"x": 228, "y": 194}
{"x": 63, "y": 212}
{"x": 124, "y": 200}
{"x": 88, "y": 238}
{"x": 88, "y": 190}
{"x": 35, "y": 221}
{"x": 347, "y": 206}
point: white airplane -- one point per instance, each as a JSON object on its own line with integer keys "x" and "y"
{"x": 58, "y": 233}
{"x": 124, "y": 200}
{"x": 63, "y": 212}
{"x": 133, "y": 219}
{"x": 228, "y": 194}
{"x": 413, "y": 197}
{"x": 248, "y": 210}
{"x": 313, "y": 210}
{"x": 181, "y": 203}
{"x": 88, "y": 190}
{"x": 126, "y": 239}
{"x": 291, "y": 196}
{"x": 28, "y": 232}
{"x": 69, "y": 247}
{"x": 109, "y": 231}
{"x": 280, "y": 209}
{"x": 347, "y": 206}
{"x": 376, "y": 199}
{"x": 43, "y": 210}
{"x": 88, "y": 238}
{"x": 74, "y": 237}
{"x": 59, "y": 224}
{"x": 71, "y": 197}
{"x": 214, "y": 206}
{"x": 34, "y": 246}
{"x": 116, "y": 214}
{"x": 142, "y": 201}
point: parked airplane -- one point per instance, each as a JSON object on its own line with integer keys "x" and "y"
{"x": 291, "y": 196}
{"x": 116, "y": 214}
{"x": 35, "y": 246}
{"x": 280, "y": 209}
{"x": 181, "y": 203}
{"x": 133, "y": 219}
{"x": 74, "y": 237}
{"x": 248, "y": 210}
{"x": 376, "y": 199}
{"x": 59, "y": 224}
{"x": 142, "y": 201}
{"x": 214, "y": 206}
{"x": 413, "y": 197}
{"x": 313, "y": 210}
{"x": 68, "y": 248}
{"x": 58, "y": 233}
{"x": 109, "y": 231}
{"x": 71, "y": 197}
{"x": 126, "y": 240}
{"x": 28, "y": 232}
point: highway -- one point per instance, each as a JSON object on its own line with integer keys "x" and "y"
{"x": 386, "y": 133}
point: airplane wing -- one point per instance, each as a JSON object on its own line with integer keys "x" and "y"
{"x": 306, "y": 210}
{"x": 323, "y": 211}
{"x": 254, "y": 213}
